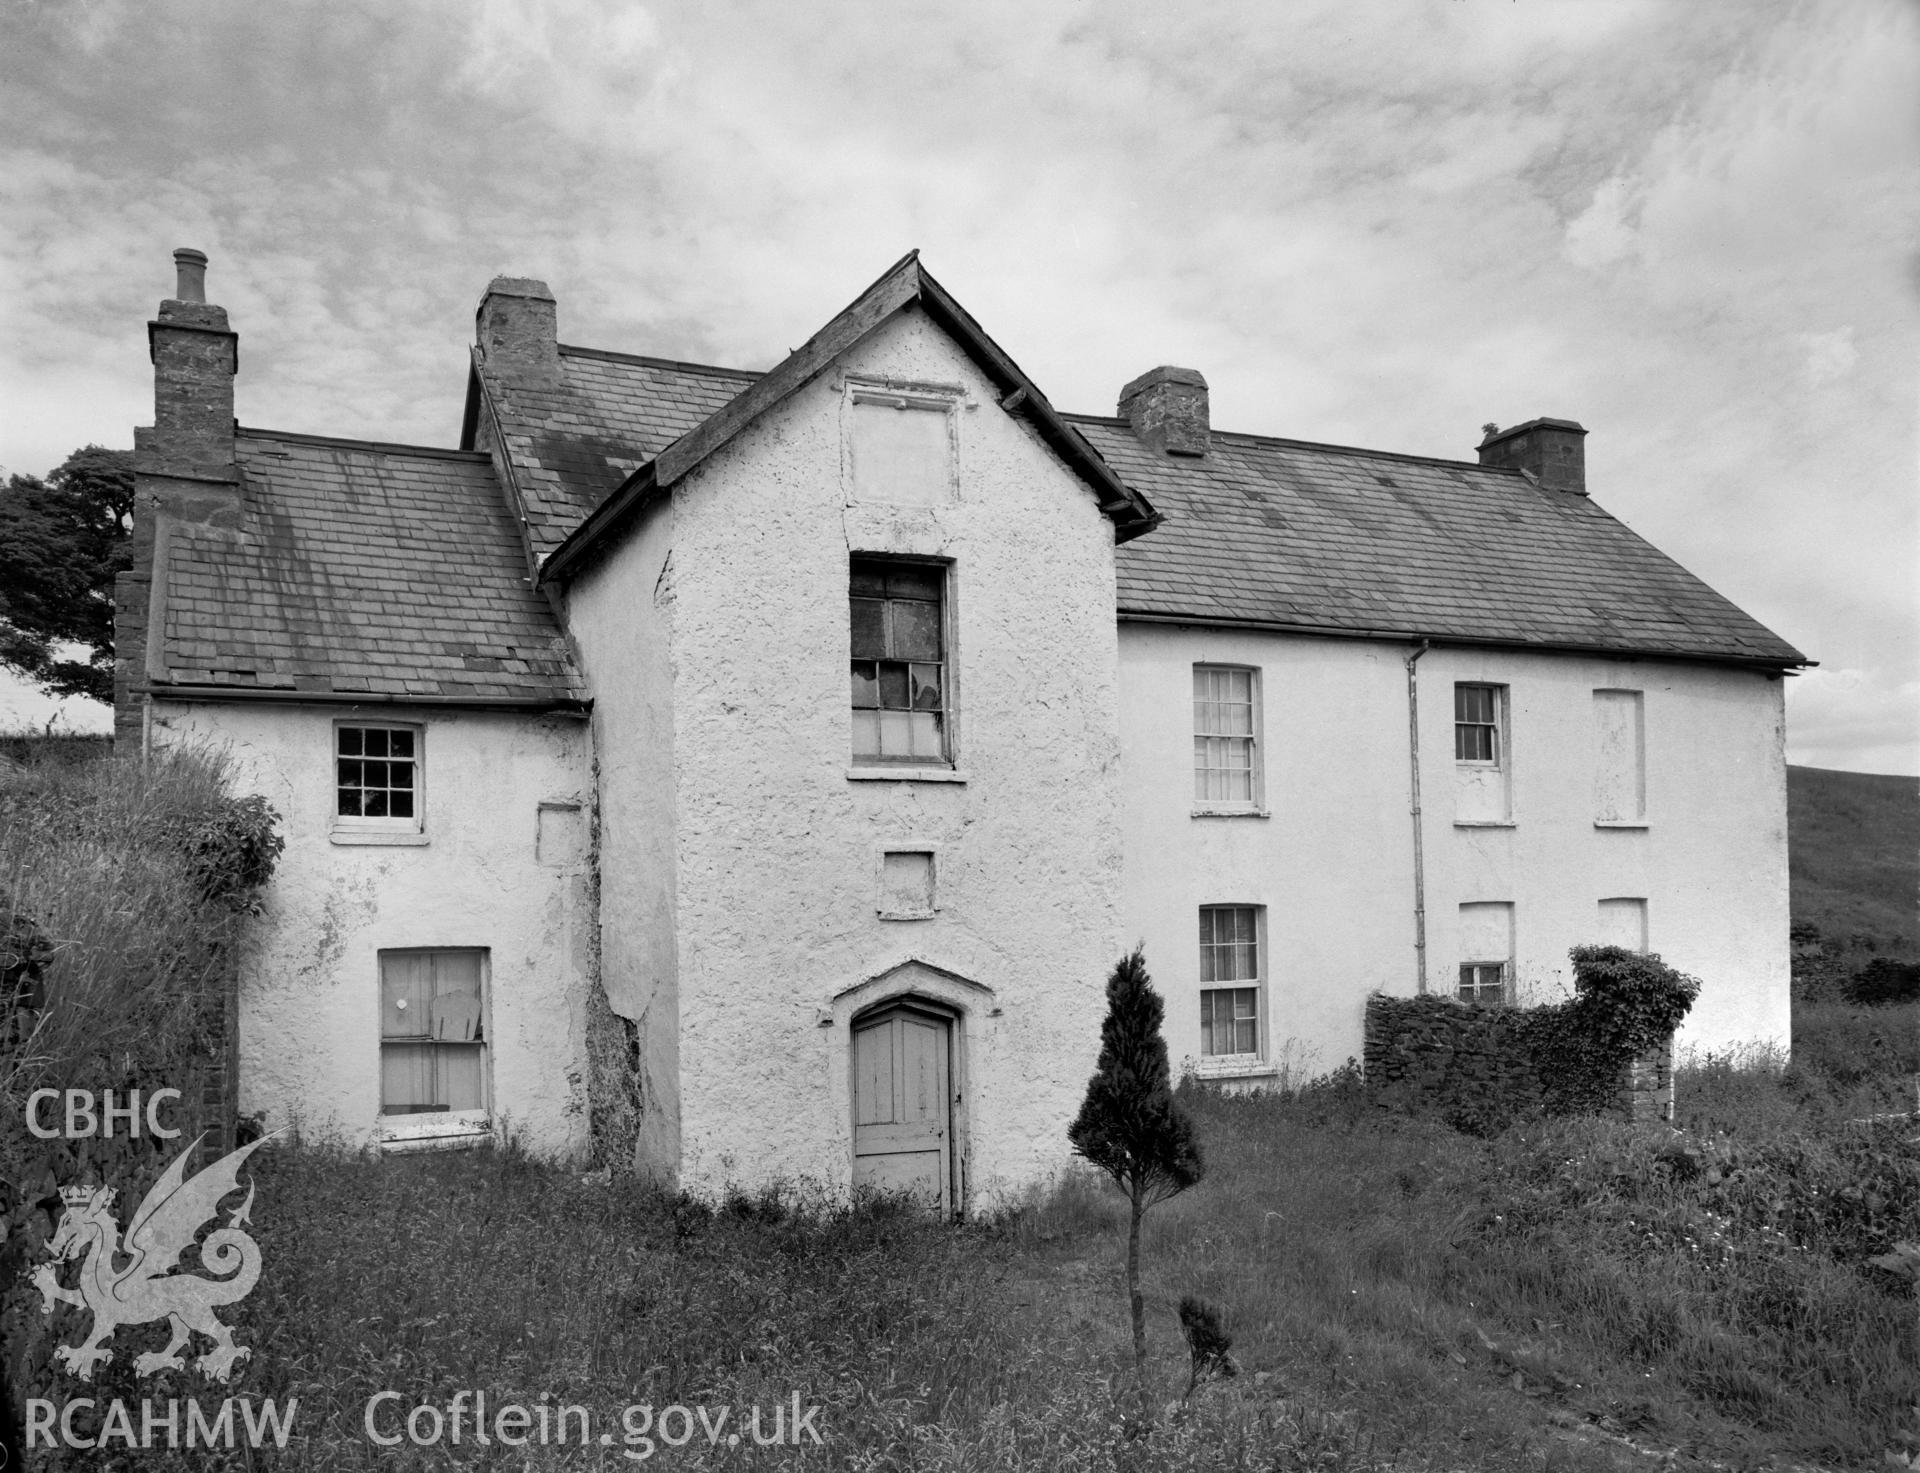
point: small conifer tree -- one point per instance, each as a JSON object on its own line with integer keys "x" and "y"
{"x": 1130, "y": 1126}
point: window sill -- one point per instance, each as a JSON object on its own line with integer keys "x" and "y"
{"x": 1621, "y": 823}
{"x": 466, "y": 1131}
{"x": 905, "y": 774}
{"x": 1485, "y": 823}
{"x": 1218, "y": 810}
{"x": 1233, "y": 1068}
{"x": 376, "y": 836}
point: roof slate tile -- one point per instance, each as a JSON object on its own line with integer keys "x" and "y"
{"x": 347, "y": 556}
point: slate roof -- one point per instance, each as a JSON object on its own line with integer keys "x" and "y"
{"x": 573, "y": 439}
{"x": 904, "y": 286}
{"x": 1322, "y": 538}
{"x": 398, "y": 571}
{"x": 361, "y": 568}
{"x": 1284, "y": 533}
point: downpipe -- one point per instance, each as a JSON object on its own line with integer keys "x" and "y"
{"x": 1419, "y": 835}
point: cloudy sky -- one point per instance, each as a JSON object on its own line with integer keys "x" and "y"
{"x": 1691, "y": 226}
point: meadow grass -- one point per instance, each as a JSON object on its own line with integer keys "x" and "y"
{"x": 1569, "y": 1295}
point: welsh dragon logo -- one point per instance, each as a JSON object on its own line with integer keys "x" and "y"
{"x": 147, "y": 1288}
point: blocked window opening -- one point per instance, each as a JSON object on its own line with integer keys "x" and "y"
{"x": 1620, "y": 761}
{"x": 1623, "y": 922}
{"x": 902, "y": 451}
{"x": 906, "y": 884}
{"x": 1486, "y": 953}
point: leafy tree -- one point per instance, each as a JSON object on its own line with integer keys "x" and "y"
{"x": 61, "y": 542}
{"x": 1130, "y": 1125}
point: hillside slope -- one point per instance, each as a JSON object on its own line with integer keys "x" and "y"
{"x": 1853, "y": 841}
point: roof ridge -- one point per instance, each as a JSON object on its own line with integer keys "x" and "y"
{"x": 1116, "y": 422}
{"x": 683, "y": 365}
{"x": 686, "y": 366}
{"x": 301, "y": 437}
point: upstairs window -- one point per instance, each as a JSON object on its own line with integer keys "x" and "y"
{"x": 377, "y": 776}
{"x": 1477, "y": 736}
{"x": 901, "y": 710}
{"x": 1226, "y": 757}
{"x": 1230, "y": 981}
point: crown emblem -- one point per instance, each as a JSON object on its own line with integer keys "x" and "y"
{"x": 80, "y": 1196}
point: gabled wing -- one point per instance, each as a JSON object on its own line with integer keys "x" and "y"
{"x": 173, "y": 1212}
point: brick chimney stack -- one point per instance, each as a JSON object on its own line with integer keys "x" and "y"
{"x": 1550, "y": 450}
{"x": 1167, "y": 408}
{"x": 184, "y": 466}
{"x": 518, "y": 328}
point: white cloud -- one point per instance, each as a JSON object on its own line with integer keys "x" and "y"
{"x": 1830, "y": 355}
{"x": 1601, "y": 234}
{"x": 1371, "y": 224}
{"x": 1856, "y": 720}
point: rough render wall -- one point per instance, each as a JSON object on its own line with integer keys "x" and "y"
{"x": 1333, "y": 863}
{"x": 776, "y": 869}
{"x": 620, "y": 613}
{"x": 309, "y": 990}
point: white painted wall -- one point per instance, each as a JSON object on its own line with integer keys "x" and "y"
{"x": 621, "y": 617}
{"x": 777, "y": 860}
{"x": 309, "y": 989}
{"x": 1332, "y": 863}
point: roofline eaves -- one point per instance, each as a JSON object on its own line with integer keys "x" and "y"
{"x": 1766, "y": 663}
{"x": 170, "y": 691}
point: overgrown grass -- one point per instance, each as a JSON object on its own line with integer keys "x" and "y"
{"x": 1572, "y": 1295}
{"x": 1579, "y": 1295}
{"x": 94, "y": 863}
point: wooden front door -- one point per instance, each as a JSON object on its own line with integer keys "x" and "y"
{"x": 902, "y": 1105}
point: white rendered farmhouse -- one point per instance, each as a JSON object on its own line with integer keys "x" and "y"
{"x": 746, "y": 776}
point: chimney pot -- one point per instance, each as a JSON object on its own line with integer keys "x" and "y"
{"x": 1552, "y": 451}
{"x": 190, "y": 271}
{"x": 1168, "y": 410}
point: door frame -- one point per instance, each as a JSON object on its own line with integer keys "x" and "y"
{"x": 955, "y": 1024}
{"x": 947, "y": 995}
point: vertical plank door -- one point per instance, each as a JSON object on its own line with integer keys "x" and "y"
{"x": 902, "y": 1117}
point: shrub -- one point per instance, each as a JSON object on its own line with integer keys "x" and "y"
{"x": 1625, "y": 1003}
{"x": 1884, "y": 981}
{"x": 1480, "y": 1069}
{"x": 124, "y": 885}
{"x": 1130, "y": 1126}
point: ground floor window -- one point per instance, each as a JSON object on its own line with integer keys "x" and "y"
{"x": 1230, "y": 981}
{"x": 1486, "y": 953}
{"x": 1484, "y": 983}
{"x": 433, "y": 1049}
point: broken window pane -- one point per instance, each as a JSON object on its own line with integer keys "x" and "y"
{"x": 898, "y": 642}
{"x": 869, "y": 629}
{"x": 893, "y": 686}
{"x": 924, "y": 681}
